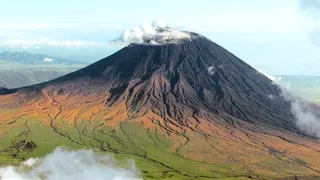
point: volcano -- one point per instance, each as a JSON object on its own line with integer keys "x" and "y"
{"x": 182, "y": 109}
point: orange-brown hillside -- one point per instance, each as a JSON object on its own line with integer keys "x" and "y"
{"x": 183, "y": 110}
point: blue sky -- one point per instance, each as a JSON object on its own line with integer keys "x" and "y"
{"x": 278, "y": 37}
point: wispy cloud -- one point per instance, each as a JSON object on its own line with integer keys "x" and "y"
{"x": 59, "y": 34}
{"x": 72, "y": 165}
{"x": 22, "y": 26}
{"x": 47, "y": 41}
{"x": 60, "y": 25}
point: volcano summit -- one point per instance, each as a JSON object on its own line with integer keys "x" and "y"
{"x": 154, "y": 34}
{"x": 181, "y": 108}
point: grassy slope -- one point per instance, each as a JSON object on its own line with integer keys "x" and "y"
{"x": 160, "y": 150}
{"x": 152, "y": 151}
{"x": 149, "y": 149}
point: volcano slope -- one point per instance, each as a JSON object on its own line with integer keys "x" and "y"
{"x": 182, "y": 111}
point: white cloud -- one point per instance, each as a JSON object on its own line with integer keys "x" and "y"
{"x": 48, "y": 60}
{"x": 71, "y": 165}
{"x": 152, "y": 33}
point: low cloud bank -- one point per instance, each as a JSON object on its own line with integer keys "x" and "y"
{"x": 305, "y": 112}
{"x": 71, "y": 165}
{"x": 155, "y": 33}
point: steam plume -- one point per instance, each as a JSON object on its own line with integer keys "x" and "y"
{"x": 155, "y": 33}
{"x": 307, "y": 119}
{"x": 305, "y": 113}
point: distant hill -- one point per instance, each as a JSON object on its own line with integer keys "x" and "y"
{"x": 26, "y": 77}
{"x": 24, "y": 57}
{"x": 19, "y": 69}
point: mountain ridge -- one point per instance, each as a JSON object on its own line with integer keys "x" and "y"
{"x": 25, "y": 57}
{"x": 123, "y": 71}
{"x": 182, "y": 111}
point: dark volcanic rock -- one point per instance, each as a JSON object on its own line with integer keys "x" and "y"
{"x": 180, "y": 79}
{"x": 4, "y": 91}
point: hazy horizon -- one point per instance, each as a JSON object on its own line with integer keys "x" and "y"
{"x": 278, "y": 37}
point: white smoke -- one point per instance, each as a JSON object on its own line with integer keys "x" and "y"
{"x": 304, "y": 111}
{"x": 155, "y": 33}
{"x": 48, "y": 60}
{"x": 271, "y": 96}
{"x": 71, "y": 165}
{"x": 211, "y": 70}
{"x": 307, "y": 120}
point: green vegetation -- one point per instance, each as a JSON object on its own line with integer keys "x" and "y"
{"x": 150, "y": 150}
